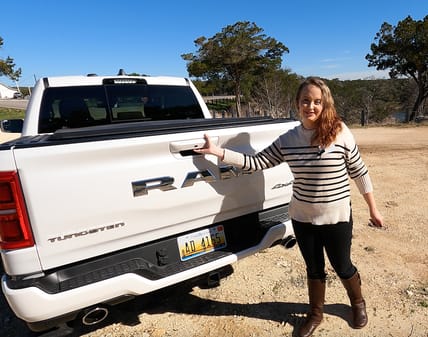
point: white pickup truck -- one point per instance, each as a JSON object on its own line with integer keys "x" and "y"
{"x": 102, "y": 198}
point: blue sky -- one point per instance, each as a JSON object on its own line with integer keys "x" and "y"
{"x": 325, "y": 38}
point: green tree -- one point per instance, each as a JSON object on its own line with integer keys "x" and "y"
{"x": 7, "y": 67}
{"x": 368, "y": 101}
{"x": 404, "y": 51}
{"x": 237, "y": 54}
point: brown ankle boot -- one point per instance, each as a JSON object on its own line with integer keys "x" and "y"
{"x": 353, "y": 288}
{"x": 316, "y": 290}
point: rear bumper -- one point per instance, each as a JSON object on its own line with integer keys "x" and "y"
{"x": 32, "y": 304}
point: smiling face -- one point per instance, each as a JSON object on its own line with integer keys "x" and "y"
{"x": 310, "y": 105}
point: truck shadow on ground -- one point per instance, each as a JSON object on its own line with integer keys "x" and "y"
{"x": 180, "y": 300}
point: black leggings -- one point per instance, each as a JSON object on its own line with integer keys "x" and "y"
{"x": 336, "y": 239}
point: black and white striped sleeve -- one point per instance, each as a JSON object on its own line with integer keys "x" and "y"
{"x": 268, "y": 157}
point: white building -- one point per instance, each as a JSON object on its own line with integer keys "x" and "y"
{"x": 6, "y": 92}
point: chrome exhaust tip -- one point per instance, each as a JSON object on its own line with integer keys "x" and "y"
{"x": 94, "y": 315}
{"x": 289, "y": 242}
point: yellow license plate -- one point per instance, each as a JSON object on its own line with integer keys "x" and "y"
{"x": 201, "y": 242}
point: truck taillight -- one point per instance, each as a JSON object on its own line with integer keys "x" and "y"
{"x": 15, "y": 229}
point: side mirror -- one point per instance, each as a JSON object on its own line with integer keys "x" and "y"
{"x": 12, "y": 125}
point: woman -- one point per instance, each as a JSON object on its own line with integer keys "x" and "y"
{"x": 321, "y": 153}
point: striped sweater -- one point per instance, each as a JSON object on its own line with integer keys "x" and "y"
{"x": 321, "y": 190}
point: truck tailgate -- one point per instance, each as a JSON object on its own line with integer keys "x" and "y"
{"x": 92, "y": 197}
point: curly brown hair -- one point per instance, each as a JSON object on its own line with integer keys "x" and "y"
{"x": 329, "y": 124}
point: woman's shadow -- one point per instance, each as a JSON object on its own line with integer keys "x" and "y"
{"x": 175, "y": 300}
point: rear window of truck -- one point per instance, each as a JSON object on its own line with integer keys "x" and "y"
{"x": 82, "y": 106}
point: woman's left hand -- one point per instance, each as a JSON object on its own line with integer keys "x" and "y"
{"x": 376, "y": 219}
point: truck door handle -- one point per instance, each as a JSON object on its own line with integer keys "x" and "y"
{"x": 186, "y": 147}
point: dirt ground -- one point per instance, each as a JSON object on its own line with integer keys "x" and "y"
{"x": 266, "y": 295}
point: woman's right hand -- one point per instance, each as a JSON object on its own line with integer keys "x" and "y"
{"x": 210, "y": 148}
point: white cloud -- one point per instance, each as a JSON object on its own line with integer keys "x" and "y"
{"x": 330, "y": 66}
{"x": 360, "y": 75}
{"x": 335, "y": 59}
